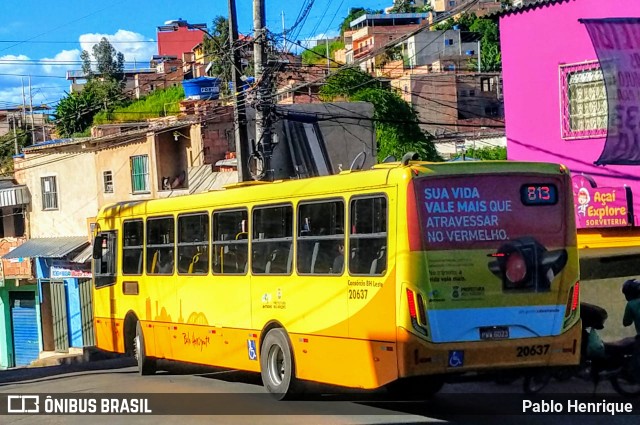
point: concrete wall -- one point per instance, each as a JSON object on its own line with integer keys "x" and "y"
{"x": 14, "y": 267}
{"x": 77, "y": 192}
{"x": 116, "y": 160}
{"x": 534, "y": 45}
{"x": 444, "y": 100}
{"x": 427, "y": 47}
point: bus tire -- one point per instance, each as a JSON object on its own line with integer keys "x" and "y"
{"x": 146, "y": 366}
{"x": 277, "y": 365}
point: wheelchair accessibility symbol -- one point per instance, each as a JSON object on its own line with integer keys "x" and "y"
{"x": 251, "y": 348}
{"x": 456, "y": 358}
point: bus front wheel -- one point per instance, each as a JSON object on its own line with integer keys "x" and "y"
{"x": 277, "y": 365}
{"x": 146, "y": 366}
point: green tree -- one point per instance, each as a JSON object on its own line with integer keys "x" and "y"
{"x": 102, "y": 92}
{"x": 75, "y": 112}
{"x": 346, "y": 83}
{"x": 109, "y": 63}
{"x": 218, "y": 53}
{"x": 396, "y": 123}
{"x": 317, "y": 54}
{"x": 408, "y": 6}
{"x": 489, "y": 153}
{"x": 216, "y": 49}
{"x": 354, "y": 13}
{"x": 489, "y": 44}
{"x": 7, "y": 149}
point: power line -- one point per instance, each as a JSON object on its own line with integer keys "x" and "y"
{"x": 66, "y": 24}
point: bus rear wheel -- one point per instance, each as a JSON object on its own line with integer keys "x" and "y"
{"x": 146, "y": 366}
{"x": 277, "y": 366}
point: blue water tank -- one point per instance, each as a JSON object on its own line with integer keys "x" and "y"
{"x": 246, "y": 85}
{"x": 202, "y": 88}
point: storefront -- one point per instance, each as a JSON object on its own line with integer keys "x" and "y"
{"x": 61, "y": 295}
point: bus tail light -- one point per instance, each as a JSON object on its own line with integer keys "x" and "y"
{"x": 417, "y": 313}
{"x": 412, "y": 305}
{"x": 573, "y": 300}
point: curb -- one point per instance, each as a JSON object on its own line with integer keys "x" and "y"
{"x": 89, "y": 354}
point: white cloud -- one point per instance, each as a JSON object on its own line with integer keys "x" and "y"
{"x": 41, "y": 93}
{"x": 134, "y": 46}
{"x": 11, "y": 64}
{"x": 10, "y": 96}
{"x": 61, "y": 62}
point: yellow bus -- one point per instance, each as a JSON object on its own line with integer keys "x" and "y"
{"x": 396, "y": 276}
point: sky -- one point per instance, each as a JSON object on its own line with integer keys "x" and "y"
{"x": 40, "y": 40}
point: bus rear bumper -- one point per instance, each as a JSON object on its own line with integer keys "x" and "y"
{"x": 417, "y": 357}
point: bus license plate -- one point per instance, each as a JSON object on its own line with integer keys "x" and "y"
{"x": 494, "y": 332}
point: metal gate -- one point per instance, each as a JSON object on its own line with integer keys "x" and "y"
{"x": 24, "y": 322}
{"x": 86, "y": 312}
{"x": 59, "y": 309}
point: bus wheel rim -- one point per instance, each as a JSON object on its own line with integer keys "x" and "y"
{"x": 136, "y": 347}
{"x": 276, "y": 365}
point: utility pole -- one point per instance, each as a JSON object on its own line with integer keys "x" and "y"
{"x": 284, "y": 33}
{"x": 33, "y": 126}
{"x": 479, "y": 59}
{"x": 263, "y": 129}
{"x": 24, "y": 108}
{"x": 326, "y": 42}
{"x": 15, "y": 135}
{"x": 239, "y": 112}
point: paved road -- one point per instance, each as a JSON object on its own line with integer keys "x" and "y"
{"x": 464, "y": 403}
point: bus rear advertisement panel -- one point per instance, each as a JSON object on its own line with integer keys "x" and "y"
{"x": 500, "y": 255}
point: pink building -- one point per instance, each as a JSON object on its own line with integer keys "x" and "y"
{"x": 556, "y": 110}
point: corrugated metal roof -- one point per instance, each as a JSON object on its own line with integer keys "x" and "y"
{"x": 525, "y": 7}
{"x": 84, "y": 255}
{"x": 47, "y": 247}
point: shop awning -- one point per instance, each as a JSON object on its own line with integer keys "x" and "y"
{"x": 14, "y": 196}
{"x": 48, "y": 247}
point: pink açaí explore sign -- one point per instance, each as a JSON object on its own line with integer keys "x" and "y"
{"x": 599, "y": 206}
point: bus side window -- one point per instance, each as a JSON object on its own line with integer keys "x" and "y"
{"x": 230, "y": 242}
{"x": 272, "y": 240}
{"x": 193, "y": 244}
{"x": 320, "y": 237}
{"x": 368, "y": 237}
{"x": 160, "y": 245}
{"x": 132, "y": 247}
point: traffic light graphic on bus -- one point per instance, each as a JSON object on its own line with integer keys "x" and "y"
{"x": 524, "y": 264}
